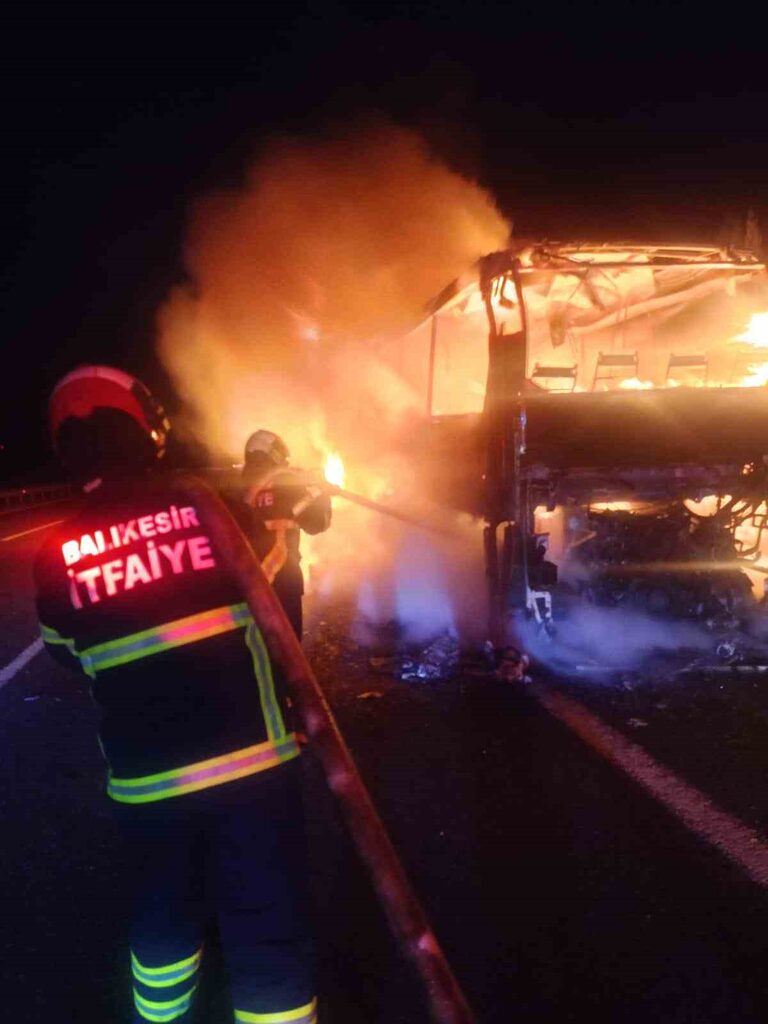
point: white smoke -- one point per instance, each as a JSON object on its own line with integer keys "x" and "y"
{"x": 589, "y": 636}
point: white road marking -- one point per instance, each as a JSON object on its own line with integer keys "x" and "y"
{"x": 18, "y": 663}
{"x": 742, "y": 845}
{"x": 13, "y": 536}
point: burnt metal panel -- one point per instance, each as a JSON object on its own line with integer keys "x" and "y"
{"x": 647, "y": 428}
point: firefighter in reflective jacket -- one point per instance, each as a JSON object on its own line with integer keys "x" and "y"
{"x": 278, "y": 502}
{"x": 195, "y": 728}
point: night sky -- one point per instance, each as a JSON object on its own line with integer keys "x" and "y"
{"x": 588, "y": 121}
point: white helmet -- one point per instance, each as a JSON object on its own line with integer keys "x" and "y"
{"x": 265, "y": 442}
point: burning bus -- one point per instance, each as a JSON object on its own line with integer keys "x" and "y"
{"x": 604, "y": 410}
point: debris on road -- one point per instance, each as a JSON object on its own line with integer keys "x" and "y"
{"x": 438, "y": 660}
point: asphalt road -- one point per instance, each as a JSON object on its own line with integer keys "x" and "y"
{"x": 560, "y": 887}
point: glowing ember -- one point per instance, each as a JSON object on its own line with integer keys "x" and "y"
{"x": 635, "y": 384}
{"x": 334, "y": 469}
{"x": 708, "y": 505}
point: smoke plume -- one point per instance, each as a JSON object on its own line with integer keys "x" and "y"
{"x": 326, "y": 247}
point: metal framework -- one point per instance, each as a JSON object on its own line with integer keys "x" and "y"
{"x": 516, "y": 482}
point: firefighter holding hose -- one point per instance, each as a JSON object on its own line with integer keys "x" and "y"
{"x": 277, "y": 503}
{"x": 133, "y": 593}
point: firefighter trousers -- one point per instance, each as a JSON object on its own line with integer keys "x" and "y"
{"x": 235, "y": 853}
{"x": 289, "y": 587}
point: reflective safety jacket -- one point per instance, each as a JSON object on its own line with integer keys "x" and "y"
{"x": 273, "y": 513}
{"x": 133, "y": 593}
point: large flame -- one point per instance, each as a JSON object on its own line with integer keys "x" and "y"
{"x": 298, "y": 277}
{"x": 294, "y": 279}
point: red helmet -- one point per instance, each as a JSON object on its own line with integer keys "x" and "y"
{"x": 87, "y": 389}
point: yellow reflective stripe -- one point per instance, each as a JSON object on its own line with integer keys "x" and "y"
{"x": 204, "y": 774}
{"x": 164, "y": 977}
{"x": 303, "y": 1015}
{"x": 277, "y": 555}
{"x": 170, "y": 967}
{"x": 166, "y": 1004}
{"x": 168, "y": 1010}
{"x": 51, "y": 636}
{"x": 266, "y": 683}
{"x": 166, "y": 636}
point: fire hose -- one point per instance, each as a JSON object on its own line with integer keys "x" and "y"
{"x": 405, "y": 916}
{"x": 389, "y": 510}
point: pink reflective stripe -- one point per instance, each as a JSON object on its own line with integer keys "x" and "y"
{"x": 161, "y": 638}
{"x": 205, "y": 774}
{"x": 173, "y": 633}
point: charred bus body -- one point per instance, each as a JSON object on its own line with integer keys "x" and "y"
{"x": 581, "y": 397}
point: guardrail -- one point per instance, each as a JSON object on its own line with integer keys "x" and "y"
{"x": 35, "y": 494}
{"x": 12, "y": 500}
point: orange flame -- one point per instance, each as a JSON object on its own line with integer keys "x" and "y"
{"x": 756, "y": 333}
{"x": 756, "y": 337}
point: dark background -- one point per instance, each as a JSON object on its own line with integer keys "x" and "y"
{"x": 592, "y": 121}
